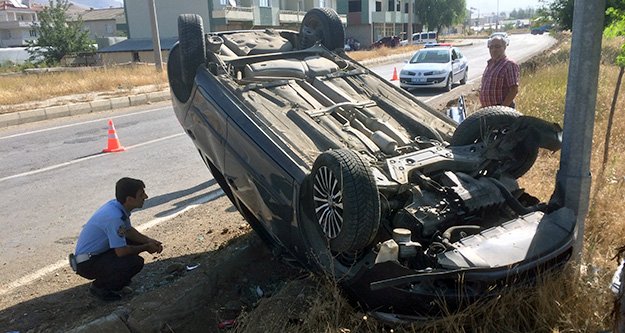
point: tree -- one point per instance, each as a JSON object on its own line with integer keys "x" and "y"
{"x": 562, "y": 12}
{"x": 436, "y": 14}
{"x": 57, "y": 36}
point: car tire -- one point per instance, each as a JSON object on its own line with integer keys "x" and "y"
{"x": 479, "y": 125}
{"x": 345, "y": 200}
{"x": 192, "y": 46}
{"x": 324, "y": 25}
{"x": 174, "y": 75}
{"x": 450, "y": 83}
{"x": 464, "y": 78}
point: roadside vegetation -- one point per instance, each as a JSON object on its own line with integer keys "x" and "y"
{"x": 577, "y": 300}
{"x": 46, "y": 85}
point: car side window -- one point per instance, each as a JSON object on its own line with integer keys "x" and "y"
{"x": 454, "y": 55}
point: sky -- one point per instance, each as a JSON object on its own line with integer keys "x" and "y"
{"x": 490, "y": 6}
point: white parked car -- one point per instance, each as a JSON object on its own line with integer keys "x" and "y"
{"x": 435, "y": 67}
{"x": 503, "y": 34}
{"x": 427, "y": 37}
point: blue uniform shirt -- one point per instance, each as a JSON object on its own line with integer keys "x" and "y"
{"x": 105, "y": 230}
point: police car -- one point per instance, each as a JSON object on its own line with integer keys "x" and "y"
{"x": 437, "y": 66}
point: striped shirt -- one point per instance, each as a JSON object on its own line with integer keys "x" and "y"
{"x": 498, "y": 77}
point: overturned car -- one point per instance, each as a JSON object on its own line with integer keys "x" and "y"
{"x": 353, "y": 177}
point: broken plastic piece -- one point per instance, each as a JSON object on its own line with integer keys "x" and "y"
{"x": 192, "y": 267}
{"x": 226, "y": 324}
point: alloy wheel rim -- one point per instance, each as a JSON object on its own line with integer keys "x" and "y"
{"x": 328, "y": 202}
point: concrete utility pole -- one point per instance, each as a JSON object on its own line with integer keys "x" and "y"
{"x": 156, "y": 41}
{"x": 573, "y": 179}
{"x": 410, "y": 21}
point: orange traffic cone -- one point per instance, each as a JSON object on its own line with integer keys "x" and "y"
{"x": 395, "y": 78}
{"x": 113, "y": 145}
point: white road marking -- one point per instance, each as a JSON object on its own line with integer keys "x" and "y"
{"x": 56, "y": 166}
{"x": 64, "y": 262}
{"x": 81, "y": 123}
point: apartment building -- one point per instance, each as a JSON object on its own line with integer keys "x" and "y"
{"x": 16, "y": 23}
{"x": 218, "y": 15}
{"x": 105, "y": 22}
{"x": 370, "y": 20}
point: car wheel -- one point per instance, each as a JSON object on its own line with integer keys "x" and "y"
{"x": 450, "y": 83}
{"x": 345, "y": 200}
{"x": 323, "y": 25}
{"x": 464, "y": 78}
{"x": 192, "y": 46}
{"x": 491, "y": 121}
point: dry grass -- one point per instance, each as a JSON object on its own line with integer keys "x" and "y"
{"x": 23, "y": 88}
{"x": 578, "y": 300}
{"x": 382, "y": 52}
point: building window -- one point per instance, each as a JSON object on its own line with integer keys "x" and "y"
{"x": 322, "y": 3}
{"x": 223, "y": 2}
{"x": 109, "y": 28}
{"x": 355, "y": 6}
{"x": 264, "y": 3}
{"x": 135, "y": 57}
{"x": 378, "y": 6}
{"x": 391, "y": 5}
{"x": 33, "y": 33}
{"x": 406, "y": 8}
{"x": 398, "y": 7}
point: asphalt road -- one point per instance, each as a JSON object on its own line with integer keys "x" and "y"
{"x": 521, "y": 48}
{"x": 54, "y": 176}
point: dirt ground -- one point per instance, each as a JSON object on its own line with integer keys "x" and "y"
{"x": 234, "y": 272}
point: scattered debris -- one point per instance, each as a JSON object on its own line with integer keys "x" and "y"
{"x": 226, "y": 324}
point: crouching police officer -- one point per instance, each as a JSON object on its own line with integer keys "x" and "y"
{"x": 108, "y": 247}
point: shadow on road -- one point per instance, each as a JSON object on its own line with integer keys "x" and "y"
{"x": 429, "y": 92}
{"x": 172, "y": 196}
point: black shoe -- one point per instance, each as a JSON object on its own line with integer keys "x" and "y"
{"x": 104, "y": 294}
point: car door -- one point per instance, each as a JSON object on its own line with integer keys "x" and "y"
{"x": 260, "y": 174}
{"x": 456, "y": 64}
{"x": 206, "y": 120}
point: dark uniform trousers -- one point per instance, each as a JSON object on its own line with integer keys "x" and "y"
{"x": 110, "y": 271}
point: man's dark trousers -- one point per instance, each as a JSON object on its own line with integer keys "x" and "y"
{"x": 110, "y": 271}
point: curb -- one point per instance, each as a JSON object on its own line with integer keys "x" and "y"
{"x": 28, "y": 116}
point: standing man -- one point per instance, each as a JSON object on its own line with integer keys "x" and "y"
{"x": 500, "y": 81}
{"x": 108, "y": 247}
